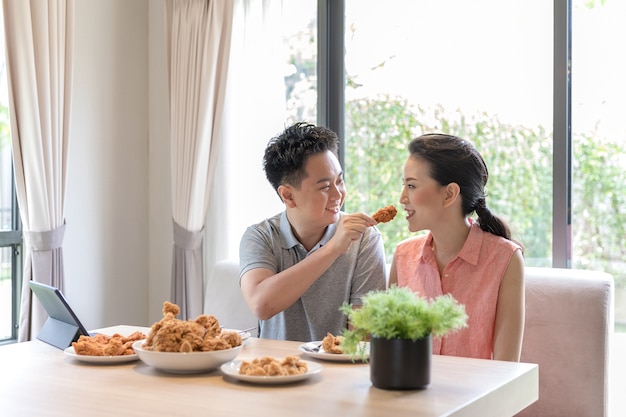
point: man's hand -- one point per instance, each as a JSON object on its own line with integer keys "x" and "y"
{"x": 349, "y": 229}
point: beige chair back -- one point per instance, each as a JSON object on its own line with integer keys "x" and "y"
{"x": 569, "y": 322}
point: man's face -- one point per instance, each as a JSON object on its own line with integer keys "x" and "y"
{"x": 322, "y": 192}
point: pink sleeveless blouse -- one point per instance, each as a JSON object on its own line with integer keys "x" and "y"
{"x": 473, "y": 278}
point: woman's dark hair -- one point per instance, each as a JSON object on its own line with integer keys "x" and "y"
{"x": 453, "y": 159}
{"x": 287, "y": 153}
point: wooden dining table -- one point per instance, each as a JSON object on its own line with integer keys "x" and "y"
{"x": 37, "y": 379}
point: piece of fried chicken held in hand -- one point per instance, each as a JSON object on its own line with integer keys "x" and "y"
{"x": 385, "y": 214}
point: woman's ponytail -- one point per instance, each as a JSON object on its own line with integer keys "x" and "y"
{"x": 490, "y": 223}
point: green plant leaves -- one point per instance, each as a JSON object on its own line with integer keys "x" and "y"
{"x": 400, "y": 313}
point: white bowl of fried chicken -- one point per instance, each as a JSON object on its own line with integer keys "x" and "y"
{"x": 185, "y": 362}
{"x": 187, "y": 346}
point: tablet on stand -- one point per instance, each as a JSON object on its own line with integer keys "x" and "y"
{"x": 62, "y": 326}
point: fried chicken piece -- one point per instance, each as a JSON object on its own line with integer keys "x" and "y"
{"x": 269, "y": 366}
{"x": 251, "y": 368}
{"x": 170, "y": 308}
{"x": 113, "y": 348}
{"x": 215, "y": 343}
{"x": 294, "y": 366}
{"x": 274, "y": 368}
{"x": 210, "y": 323}
{"x": 178, "y": 336}
{"x": 90, "y": 346}
{"x": 103, "y": 345}
{"x": 257, "y": 367}
{"x": 170, "y": 311}
{"x": 330, "y": 344}
{"x": 200, "y": 335}
{"x": 231, "y": 338}
{"x": 385, "y": 214}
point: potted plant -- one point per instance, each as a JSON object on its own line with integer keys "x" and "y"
{"x": 400, "y": 324}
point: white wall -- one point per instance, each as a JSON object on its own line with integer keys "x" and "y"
{"x": 107, "y": 239}
{"x": 160, "y": 233}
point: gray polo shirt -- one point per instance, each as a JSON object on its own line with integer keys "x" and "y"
{"x": 271, "y": 244}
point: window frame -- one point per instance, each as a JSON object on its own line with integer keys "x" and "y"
{"x": 562, "y": 136}
{"x": 14, "y": 239}
{"x": 331, "y": 104}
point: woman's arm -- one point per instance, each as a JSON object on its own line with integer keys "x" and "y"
{"x": 510, "y": 311}
{"x": 393, "y": 276}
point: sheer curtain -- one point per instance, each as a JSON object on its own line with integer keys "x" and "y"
{"x": 39, "y": 50}
{"x": 198, "y": 34}
{"x": 255, "y": 111}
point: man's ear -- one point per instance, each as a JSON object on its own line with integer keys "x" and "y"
{"x": 453, "y": 191}
{"x": 286, "y": 194}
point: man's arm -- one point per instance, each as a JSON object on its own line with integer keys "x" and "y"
{"x": 268, "y": 293}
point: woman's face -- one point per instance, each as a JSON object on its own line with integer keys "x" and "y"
{"x": 422, "y": 197}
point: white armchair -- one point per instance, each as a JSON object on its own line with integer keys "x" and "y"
{"x": 223, "y": 298}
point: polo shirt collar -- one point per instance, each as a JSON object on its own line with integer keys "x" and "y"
{"x": 289, "y": 240}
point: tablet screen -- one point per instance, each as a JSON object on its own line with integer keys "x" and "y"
{"x": 56, "y": 305}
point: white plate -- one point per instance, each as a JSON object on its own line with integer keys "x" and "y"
{"x": 100, "y": 359}
{"x": 244, "y": 335}
{"x": 334, "y": 357}
{"x": 232, "y": 369}
{"x": 186, "y": 362}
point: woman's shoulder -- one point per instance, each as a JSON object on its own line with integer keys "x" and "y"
{"x": 498, "y": 243}
{"x": 413, "y": 243}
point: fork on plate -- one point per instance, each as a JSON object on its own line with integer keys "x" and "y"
{"x": 312, "y": 349}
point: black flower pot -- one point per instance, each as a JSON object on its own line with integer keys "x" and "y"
{"x": 400, "y": 364}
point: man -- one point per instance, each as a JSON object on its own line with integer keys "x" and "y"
{"x": 298, "y": 267}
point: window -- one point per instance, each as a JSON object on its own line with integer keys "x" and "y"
{"x": 453, "y": 67}
{"x": 486, "y": 71}
{"x": 409, "y": 75}
{"x": 10, "y": 227}
{"x": 299, "y": 31}
{"x": 598, "y": 143}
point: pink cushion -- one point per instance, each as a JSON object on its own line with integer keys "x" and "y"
{"x": 569, "y": 321}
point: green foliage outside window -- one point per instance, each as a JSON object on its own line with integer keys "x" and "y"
{"x": 600, "y": 205}
{"x": 520, "y": 182}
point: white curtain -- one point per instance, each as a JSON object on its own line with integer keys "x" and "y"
{"x": 39, "y": 54}
{"x": 198, "y": 34}
{"x": 255, "y": 111}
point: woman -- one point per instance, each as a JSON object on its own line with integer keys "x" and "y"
{"x": 473, "y": 260}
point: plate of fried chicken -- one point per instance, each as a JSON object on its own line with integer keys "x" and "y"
{"x": 102, "y": 348}
{"x": 329, "y": 349}
{"x": 270, "y": 370}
